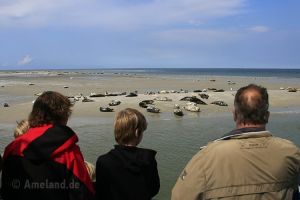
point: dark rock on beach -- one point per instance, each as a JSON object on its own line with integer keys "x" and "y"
{"x": 5, "y": 105}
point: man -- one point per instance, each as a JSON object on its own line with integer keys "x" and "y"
{"x": 247, "y": 163}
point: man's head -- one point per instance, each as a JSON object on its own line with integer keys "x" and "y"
{"x": 129, "y": 127}
{"x": 251, "y": 104}
{"x": 50, "y": 108}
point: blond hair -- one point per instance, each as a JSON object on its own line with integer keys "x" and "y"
{"x": 91, "y": 170}
{"x": 22, "y": 127}
{"x": 128, "y": 123}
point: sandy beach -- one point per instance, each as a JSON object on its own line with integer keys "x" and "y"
{"x": 22, "y": 87}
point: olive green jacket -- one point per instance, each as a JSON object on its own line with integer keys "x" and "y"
{"x": 252, "y": 165}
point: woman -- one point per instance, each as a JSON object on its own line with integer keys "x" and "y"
{"x": 23, "y": 126}
{"x": 127, "y": 172}
{"x": 45, "y": 162}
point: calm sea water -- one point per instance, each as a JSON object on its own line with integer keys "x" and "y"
{"x": 282, "y": 73}
{"x": 175, "y": 139}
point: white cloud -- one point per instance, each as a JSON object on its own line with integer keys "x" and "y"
{"x": 259, "y": 29}
{"x": 25, "y": 60}
{"x": 113, "y": 14}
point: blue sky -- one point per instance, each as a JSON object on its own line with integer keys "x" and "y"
{"x": 37, "y": 34}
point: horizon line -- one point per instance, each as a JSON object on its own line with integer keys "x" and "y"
{"x": 134, "y": 68}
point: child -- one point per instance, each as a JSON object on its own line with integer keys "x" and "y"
{"x": 127, "y": 172}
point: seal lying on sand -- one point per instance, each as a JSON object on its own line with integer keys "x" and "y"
{"x": 204, "y": 96}
{"x": 114, "y": 103}
{"x": 131, "y": 94}
{"x": 177, "y": 111}
{"x": 162, "y": 99}
{"x": 152, "y": 109}
{"x": 145, "y": 103}
{"x": 193, "y": 99}
{"x": 106, "y": 109}
{"x": 93, "y": 94}
{"x": 292, "y": 90}
{"x": 85, "y": 99}
{"x": 219, "y": 103}
{"x": 219, "y": 90}
{"x": 111, "y": 94}
{"x": 197, "y": 91}
{"x": 191, "y": 106}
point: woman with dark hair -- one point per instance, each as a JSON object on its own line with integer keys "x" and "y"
{"x": 45, "y": 162}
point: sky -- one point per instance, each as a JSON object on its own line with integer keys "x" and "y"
{"x": 52, "y": 34}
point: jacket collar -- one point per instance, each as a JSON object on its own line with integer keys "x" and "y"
{"x": 244, "y": 132}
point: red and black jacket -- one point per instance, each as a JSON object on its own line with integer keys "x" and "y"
{"x": 45, "y": 163}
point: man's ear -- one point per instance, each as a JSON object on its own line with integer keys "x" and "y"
{"x": 234, "y": 115}
{"x": 267, "y": 116}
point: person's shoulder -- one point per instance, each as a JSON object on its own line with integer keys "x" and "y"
{"x": 62, "y": 128}
{"x": 105, "y": 159}
{"x": 213, "y": 148}
{"x": 146, "y": 151}
{"x": 285, "y": 143}
{"x": 218, "y": 145}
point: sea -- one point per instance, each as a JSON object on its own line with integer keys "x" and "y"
{"x": 176, "y": 139}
